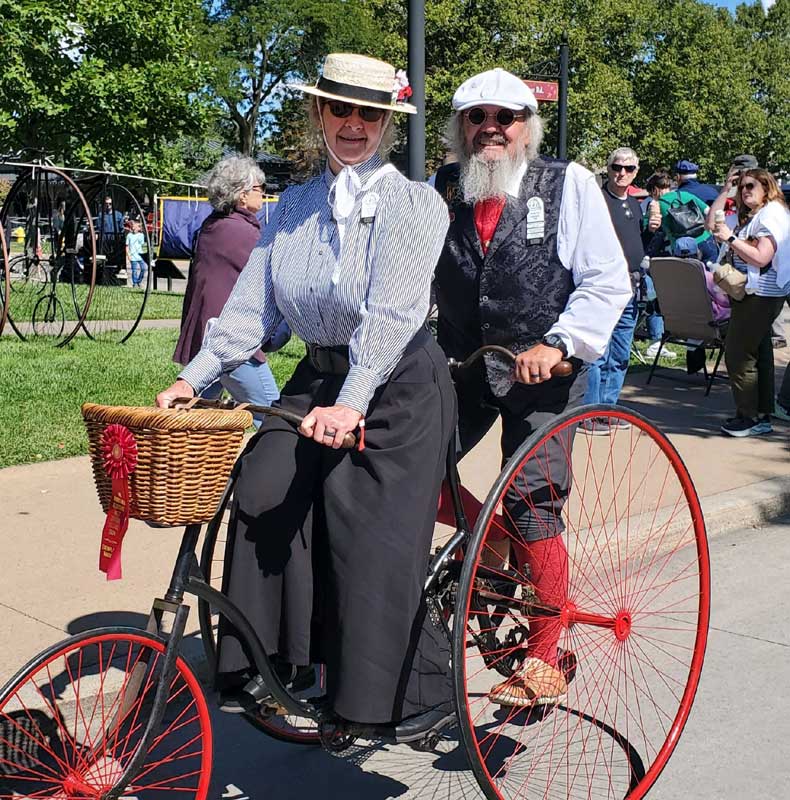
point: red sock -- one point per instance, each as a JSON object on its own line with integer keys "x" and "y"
{"x": 472, "y": 508}
{"x": 547, "y": 560}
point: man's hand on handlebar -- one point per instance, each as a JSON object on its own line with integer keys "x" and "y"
{"x": 534, "y": 365}
{"x": 328, "y": 425}
{"x": 178, "y": 389}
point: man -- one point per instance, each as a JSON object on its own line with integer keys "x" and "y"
{"x": 686, "y": 176}
{"x": 108, "y": 220}
{"x": 607, "y": 374}
{"x": 676, "y": 207}
{"x": 532, "y": 263}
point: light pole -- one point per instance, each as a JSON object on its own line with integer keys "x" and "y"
{"x": 416, "y": 131}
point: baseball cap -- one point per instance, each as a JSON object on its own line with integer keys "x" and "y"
{"x": 745, "y": 161}
{"x": 686, "y": 167}
{"x": 685, "y": 247}
{"x": 496, "y": 87}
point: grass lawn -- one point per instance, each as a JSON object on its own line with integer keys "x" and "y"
{"x": 42, "y": 387}
{"x": 108, "y": 302}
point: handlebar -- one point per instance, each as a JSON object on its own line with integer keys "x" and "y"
{"x": 561, "y": 370}
{"x": 186, "y": 403}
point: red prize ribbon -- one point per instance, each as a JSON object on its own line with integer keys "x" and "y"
{"x": 119, "y": 456}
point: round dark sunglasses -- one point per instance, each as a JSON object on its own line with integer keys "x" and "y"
{"x": 748, "y": 186}
{"x": 343, "y": 110}
{"x": 629, "y": 168}
{"x": 504, "y": 116}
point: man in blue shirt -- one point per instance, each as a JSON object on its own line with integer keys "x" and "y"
{"x": 686, "y": 173}
{"x": 108, "y": 219}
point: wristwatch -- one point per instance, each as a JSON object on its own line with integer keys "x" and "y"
{"x": 731, "y": 239}
{"x": 552, "y": 340}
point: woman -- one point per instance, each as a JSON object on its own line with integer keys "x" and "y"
{"x": 763, "y": 223}
{"x": 223, "y": 245}
{"x": 329, "y": 547}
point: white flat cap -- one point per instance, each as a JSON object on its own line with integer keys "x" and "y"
{"x": 497, "y": 87}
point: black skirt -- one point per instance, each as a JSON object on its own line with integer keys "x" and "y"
{"x": 328, "y": 550}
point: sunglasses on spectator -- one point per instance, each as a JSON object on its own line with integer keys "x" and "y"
{"x": 749, "y": 186}
{"x": 629, "y": 168}
{"x": 343, "y": 110}
{"x": 504, "y": 117}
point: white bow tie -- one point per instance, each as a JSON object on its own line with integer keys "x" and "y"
{"x": 344, "y": 194}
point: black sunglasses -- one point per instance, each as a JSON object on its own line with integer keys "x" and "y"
{"x": 343, "y": 110}
{"x": 748, "y": 186}
{"x": 504, "y": 117}
{"x": 629, "y": 168}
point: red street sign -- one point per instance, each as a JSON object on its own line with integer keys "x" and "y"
{"x": 545, "y": 91}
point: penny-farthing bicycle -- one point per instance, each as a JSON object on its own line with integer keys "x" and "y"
{"x": 117, "y": 712}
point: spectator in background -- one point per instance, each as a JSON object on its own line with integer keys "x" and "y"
{"x": 760, "y": 248}
{"x": 677, "y": 207}
{"x": 109, "y": 220}
{"x": 686, "y": 175}
{"x": 606, "y": 374}
{"x": 222, "y": 247}
{"x": 135, "y": 247}
{"x": 686, "y": 247}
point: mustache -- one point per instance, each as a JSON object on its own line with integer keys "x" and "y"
{"x": 490, "y": 138}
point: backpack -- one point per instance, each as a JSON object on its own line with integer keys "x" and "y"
{"x": 684, "y": 218}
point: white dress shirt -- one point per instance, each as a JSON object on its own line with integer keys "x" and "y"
{"x": 587, "y": 245}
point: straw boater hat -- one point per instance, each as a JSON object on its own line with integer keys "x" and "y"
{"x": 363, "y": 81}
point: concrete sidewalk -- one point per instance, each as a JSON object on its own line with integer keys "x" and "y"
{"x": 51, "y": 520}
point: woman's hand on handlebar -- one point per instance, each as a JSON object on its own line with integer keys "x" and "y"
{"x": 178, "y": 389}
{"x": 328, "y": 425}
{"x": 534, "y": 365}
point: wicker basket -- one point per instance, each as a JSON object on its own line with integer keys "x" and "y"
{"x": 184, "y": 459}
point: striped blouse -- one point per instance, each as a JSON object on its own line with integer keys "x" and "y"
{"x": 764, "y": 223}
{"x": 369, "y": 291}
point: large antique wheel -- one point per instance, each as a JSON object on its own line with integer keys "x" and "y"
{"x": 627, "y": 612}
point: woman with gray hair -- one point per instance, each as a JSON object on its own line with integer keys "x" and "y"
{"x": 220, "y": 251}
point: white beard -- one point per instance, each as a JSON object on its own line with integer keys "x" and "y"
{"x": 482, "y": 179}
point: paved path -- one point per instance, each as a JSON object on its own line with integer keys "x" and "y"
{"x": 734, "y": 746}
{"x": 49, "y": 532}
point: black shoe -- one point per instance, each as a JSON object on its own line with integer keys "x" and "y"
{"x": 417, "y": 727}
{"x": 255, "y": 692}
{"x": 246, "y": 698}
{"x": 746, "y": 426}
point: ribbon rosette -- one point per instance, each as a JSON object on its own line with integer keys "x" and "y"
{"x": 401, "y": 91}
{"x": 119, "y": 457}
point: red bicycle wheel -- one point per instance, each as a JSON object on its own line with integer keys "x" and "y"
{"x": 627, "y": 610}
{"x": 71, "y": 720}
{"x": 281, "y": 726}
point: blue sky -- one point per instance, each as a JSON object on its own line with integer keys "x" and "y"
{"x": 732, "y": 4}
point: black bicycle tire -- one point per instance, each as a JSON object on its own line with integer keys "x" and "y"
{"x": 51, "y": 298}
{"x": 17, "y": 187}
{"x": 5, "y": 288}
{"x": 465, "y": 583}
{"x": 96, "y": 189}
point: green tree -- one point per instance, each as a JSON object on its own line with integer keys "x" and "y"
{"x": 252, "y": 47}
{"x": 765, "y": 39}
{"x": 101, "y": 82}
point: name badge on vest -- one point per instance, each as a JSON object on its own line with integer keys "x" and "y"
{"x": 369, "y": 204}
{"x": 536, "y": 220}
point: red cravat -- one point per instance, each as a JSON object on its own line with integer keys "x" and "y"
{"x": 487, "y": 214}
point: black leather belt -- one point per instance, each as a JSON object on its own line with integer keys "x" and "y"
{"x": 334, "y": 360}
{"x": 328, "y": 360}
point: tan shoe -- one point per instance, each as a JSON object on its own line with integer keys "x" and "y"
{"x": 536, "y": 683}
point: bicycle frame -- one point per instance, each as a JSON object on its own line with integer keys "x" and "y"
{"x": 188, "y": 579}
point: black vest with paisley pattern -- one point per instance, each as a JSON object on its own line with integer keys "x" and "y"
{"x": 514, "y": 293}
